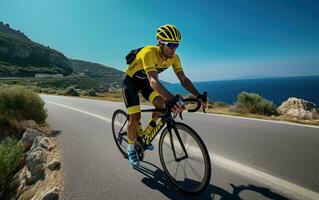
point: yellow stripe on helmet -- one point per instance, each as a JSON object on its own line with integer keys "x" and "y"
{"x": 172, "y": 29}
{"x": 168, "y": 33}
{"x": 161, "y": 31}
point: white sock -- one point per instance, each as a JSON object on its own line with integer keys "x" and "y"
{"x": 130, "y": 147}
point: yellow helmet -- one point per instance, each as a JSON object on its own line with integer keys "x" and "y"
{"x": 168, "y": 33}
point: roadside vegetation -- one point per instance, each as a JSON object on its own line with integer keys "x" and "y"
{"x": 17, "y": 105}
{"x": 254, "y": 104}
{"x": 10, "y": 156}
{"x": 247, "y": 105}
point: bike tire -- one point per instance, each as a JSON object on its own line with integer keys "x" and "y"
{"x": 199, "y": 185}
{"x": 119, "y": 129}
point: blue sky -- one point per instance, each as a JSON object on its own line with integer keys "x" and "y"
{"x": 221, "y": 39}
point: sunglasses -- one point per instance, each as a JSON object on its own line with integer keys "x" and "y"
{"x": 171, "y": 45}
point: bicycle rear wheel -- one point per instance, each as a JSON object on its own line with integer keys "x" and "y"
{"x": 119, "y": 129}
{"x": 190, "y": 168}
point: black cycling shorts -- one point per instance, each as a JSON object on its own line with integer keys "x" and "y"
{"x": 130, "y": 89}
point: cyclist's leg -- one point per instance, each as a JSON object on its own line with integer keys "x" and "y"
{"x": 130, "y": 95}
{"x": 152, "y": 96}
{"x": 132, "y": 125}
{"x": 159, "y": 102}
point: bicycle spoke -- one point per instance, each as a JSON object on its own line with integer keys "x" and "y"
{"x": 170, "y": 161}
{"x": 196, "y": 160}
{"x": 185, "y": 175}
{"x": 176, "y": 170}
{"x": 195, "y": 172}
{"x": 189, "y": 145}
{"x": 184, "y": 139}
{"x": 167, "y": 145}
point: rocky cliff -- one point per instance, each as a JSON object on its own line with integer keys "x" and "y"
{"x": 16, "y": 49}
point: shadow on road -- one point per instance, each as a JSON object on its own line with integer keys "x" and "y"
{"x": 54, "y": 133}
{"x": 157, "y": 180}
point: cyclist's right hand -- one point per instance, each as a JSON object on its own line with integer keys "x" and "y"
{"x": 175, "y": 104}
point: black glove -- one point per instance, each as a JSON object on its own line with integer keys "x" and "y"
{"x": 171, "y": 102}
{"x": 203, "y": 97}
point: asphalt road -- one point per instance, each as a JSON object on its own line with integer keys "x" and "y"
{"x": 251, "y": 159}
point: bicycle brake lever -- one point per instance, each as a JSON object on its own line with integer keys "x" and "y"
{"x": 205, "y": 96}
{"x": 181, "y": 116}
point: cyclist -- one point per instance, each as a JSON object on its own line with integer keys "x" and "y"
{"x": 142, "y": 76}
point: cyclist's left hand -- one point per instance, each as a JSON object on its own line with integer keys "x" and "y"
{"x": 203, "y": 100}
{"x": 203, "y": 104}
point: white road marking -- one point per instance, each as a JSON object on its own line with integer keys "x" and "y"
{"x": 233, "y": 166}
{"x": 81, "y": 111}
{"x": 263, "y": 120}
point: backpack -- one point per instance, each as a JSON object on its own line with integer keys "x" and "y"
{"x": 131, "y": 55}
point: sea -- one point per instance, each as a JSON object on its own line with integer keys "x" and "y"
{"x": 276, "y": 89}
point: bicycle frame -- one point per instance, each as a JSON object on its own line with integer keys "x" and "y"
{"x": 170, "y": 124}
{"x": 154, "y": 133}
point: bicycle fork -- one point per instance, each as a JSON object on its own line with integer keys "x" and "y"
{"x": 171, "y": 126}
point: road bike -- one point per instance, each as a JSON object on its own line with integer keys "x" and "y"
{"x": 183, "y": 154}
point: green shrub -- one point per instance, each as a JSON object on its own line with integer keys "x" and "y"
{"x": 91, "y": 92}
{"x": 17, "y": 104}
{"x": 10, "y": 155}
{"x": 253, "y": 103}
{"x": 72, "y": 91}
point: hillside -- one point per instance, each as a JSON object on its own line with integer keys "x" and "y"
{"x": 59, "y": 83}
{"x": 20, "y": 56}
{"x": 103, "y": 74}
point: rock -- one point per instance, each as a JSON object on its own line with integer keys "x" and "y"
{"x": 51, "y": 147}
{"x": 35, "y": 164}
{"x": 51, "y": 195}
{"x": 44, "y": 143}
{"x": 54, "y": 165}
{"x": 41, "y": 142}
{"x": 28, "y": 137}
{"x": 299, "y": 108}
{"x": 29, "y": 179}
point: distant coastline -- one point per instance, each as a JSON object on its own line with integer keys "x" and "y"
{"x": 247, "y": 78}
{"x": 276, "y": 89}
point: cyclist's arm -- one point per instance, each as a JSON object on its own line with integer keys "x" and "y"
{"x": 186, "y": 83}
{"x": 157, "y": 86}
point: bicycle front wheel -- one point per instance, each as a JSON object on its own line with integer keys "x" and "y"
{"x": 185, "y": 159}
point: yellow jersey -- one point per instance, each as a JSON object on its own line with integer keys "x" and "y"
{"x": 148, "y": 59}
